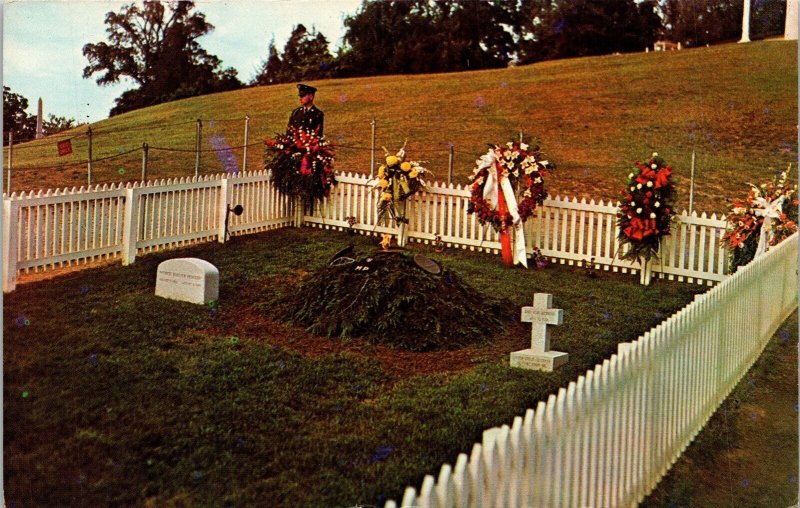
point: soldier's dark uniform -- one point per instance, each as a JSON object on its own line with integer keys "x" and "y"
{"x": 307, "y": 118}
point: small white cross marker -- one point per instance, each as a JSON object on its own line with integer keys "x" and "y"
{"x": 541, "y": 316}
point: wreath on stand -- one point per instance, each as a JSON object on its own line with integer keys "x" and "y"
{"x": 301, "y": 165}
{"x": 646, "y": 210}
{"x": 507, "y": 186}
{"x": 766, "y": 217}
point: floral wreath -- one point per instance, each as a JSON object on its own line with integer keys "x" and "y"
{"x": 773, "y": 205}
{"x": 301, "y": 165}
{"x": 525, "y": 171}
{"x": 646, "y": 211}
{"x": 398, "y": 180}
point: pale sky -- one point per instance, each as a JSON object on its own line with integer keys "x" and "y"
{"x": 43, "y": 41}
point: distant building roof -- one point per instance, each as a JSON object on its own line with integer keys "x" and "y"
{"x": 666, "y": 46}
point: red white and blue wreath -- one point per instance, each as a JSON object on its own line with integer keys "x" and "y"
{"x": 507, "y": 186}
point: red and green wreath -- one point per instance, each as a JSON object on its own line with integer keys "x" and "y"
{"x": 646, "y": 210}
{"x": 301, "y": 165}
{"x": 525, "y": 170}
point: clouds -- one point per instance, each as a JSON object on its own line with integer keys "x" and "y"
{"x": 43, "y": 41}
{"x": 43, "y": 56}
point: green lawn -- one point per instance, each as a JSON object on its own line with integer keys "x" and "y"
{"x": 113, "y": 396}
{"x": 735, "y": 104}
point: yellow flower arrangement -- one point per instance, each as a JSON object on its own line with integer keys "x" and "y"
{"x": 397, "y": 180}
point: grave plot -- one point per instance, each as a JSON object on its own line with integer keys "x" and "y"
{"x": 393, "y": 298}
{"x": 114, "y": 393}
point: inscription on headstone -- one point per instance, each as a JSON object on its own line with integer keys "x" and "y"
{"x": 188, "y": 280}
{"x": 541, "y": 316}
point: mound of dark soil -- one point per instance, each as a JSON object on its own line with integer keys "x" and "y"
{"x": 388, "y": 298}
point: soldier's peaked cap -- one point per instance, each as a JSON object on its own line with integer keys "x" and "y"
{"x": 304, "y": 89}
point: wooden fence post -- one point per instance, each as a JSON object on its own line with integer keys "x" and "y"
{"x": 450, "y": 166}
{"x": 10, "y": 217}
{"x": 298, "y": 211}
{"x": 246, "y": 139}
{"x": 223, "y": 209}
{"x": 197, "y": 147}
{"x": 145, "y": 148}
{"x": 691, "y": 184}
{"x": 372, "y": 151}
{"x": 10, "y": 160}
{"x": 89, "y": 167}
{"x": 130, "y": 226}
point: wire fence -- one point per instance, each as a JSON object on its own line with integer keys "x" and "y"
{"x": 445, "y": 142}
{"x": 159, "y": 150}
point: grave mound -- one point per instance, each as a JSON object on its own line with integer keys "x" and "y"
{"x": 393, "y": 298}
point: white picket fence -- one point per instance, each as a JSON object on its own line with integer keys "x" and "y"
{"x": 46, "y": 230}
{"x": 605, "y": 440}
{"x": 569, "y": 231}
{"x": 609, "y": 437}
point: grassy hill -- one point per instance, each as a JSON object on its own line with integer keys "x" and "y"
{"x": 735, "y": 104}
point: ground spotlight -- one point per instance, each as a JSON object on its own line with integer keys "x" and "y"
{"x": 237, "y": 210}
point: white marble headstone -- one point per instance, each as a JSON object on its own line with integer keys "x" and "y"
{"x": 188, "y": 280}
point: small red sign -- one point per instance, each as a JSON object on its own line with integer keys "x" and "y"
{"x": 64, "y": 147}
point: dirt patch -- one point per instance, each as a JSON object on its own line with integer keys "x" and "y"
{"x": 36, "y": 276}
{"x": 247, "y": 323}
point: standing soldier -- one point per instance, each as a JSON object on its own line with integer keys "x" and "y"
{"x": 307, "y": 117}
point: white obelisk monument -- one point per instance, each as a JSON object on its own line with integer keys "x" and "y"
{"x": 39, "y": 123}
{"x": 746, "y": 22}
{"x": 790, "y": 28}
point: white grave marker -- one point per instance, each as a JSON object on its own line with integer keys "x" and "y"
{"x": 188, "y": 280}
{"x": 539, "y": 356}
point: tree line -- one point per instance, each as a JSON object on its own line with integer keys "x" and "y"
{"x": 426, "y": 36}
{"x": 155, "y": 44}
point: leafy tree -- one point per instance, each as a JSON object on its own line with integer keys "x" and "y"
{"x": 651, "y": 24}
{"x": 54, "y": 124}
{"x": 415, "y": 36}
{"x": 305, "y": 57}
{"x": 767, "y": 18}
{"x": 155, "y": 46}
{"x": 702, "y": 22}
{"x": 569, "y": 28}
{"x": 15, "y": 118}
{"x": 270, "y": 71}
{"x": 372, "y": 41}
